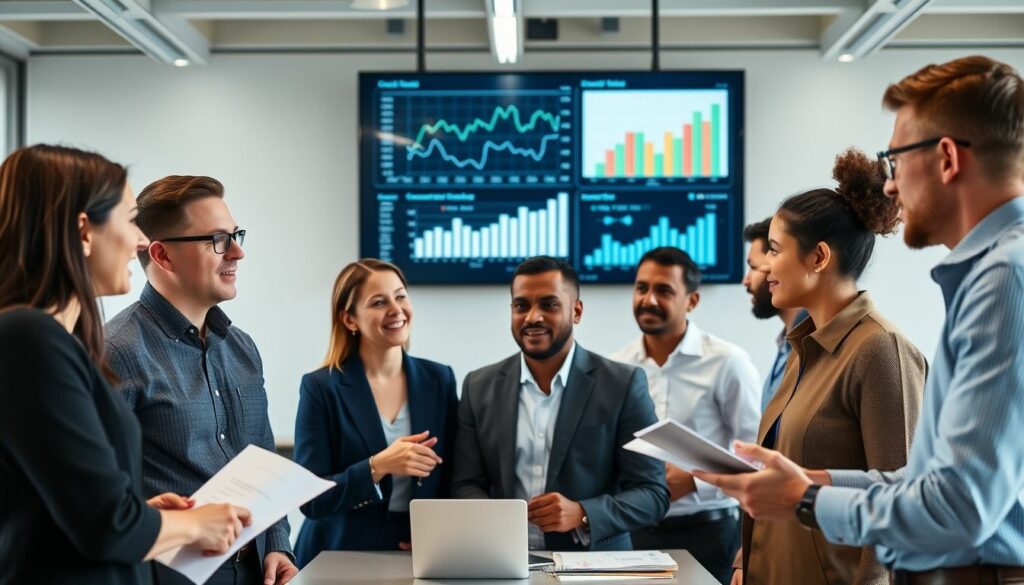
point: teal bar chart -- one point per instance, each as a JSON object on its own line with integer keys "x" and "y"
{"x": 698, "y": 239}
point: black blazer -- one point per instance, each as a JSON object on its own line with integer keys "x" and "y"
{"x": 604, "y": 404}
{"x": 71, "y": 505}
{"x": 338, "y": 428}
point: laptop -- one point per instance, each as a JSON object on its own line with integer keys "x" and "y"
{"x": 469, "y": 539}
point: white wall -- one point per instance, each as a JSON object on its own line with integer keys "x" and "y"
{"x": 280, "y": 132}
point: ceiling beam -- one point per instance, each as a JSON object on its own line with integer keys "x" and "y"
{"x": 972, "y": 7}
{"x": 605, "y": 8}
{"x": 310, "y": 9}
{"x": 19, "y": 39}
{"x": 856, "y": 34}
{"x": 42, "y": 10}
{"x": 168, "y": 38}
{"x": 315, "y": 9}
{"x": 68, "y": 10}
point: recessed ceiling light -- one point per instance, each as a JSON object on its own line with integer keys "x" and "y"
{"x": 846, "y": 58}
{"x": 181, "y": 63}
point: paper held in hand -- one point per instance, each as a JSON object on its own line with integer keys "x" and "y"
{"x": 267, "y": 484}
{"x": 681, "y": 446}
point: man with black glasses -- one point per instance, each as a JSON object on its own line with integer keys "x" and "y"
{"x": 955, "y": 512}
{"x": 194, "y": 380}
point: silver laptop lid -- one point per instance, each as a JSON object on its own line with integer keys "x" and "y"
{"x": 474, "y": 539}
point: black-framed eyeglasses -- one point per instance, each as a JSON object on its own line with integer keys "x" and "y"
{"x": 221, "y": 241}
{"x": 889, "y": 163}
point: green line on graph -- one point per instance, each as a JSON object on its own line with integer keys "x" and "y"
{"x": 500, "y": 113}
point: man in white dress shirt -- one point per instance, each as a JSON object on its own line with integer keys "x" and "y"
{"x": 698, "y": 380}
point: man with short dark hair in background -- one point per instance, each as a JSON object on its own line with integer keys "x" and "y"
{"x": 756, "y": 283}
{"x": 194, "y": 380}
{"x": 547, "y": 425}
{"x": 701, "y": 381}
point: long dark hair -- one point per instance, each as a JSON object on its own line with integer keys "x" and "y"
{"x": 43, "y": 189}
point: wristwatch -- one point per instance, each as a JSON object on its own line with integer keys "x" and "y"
{"x": 805, "y": 509}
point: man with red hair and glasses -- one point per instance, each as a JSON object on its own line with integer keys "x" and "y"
{"x": 955, "y": 513}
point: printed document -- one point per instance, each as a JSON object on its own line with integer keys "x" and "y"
{"x": 267, "y": 484}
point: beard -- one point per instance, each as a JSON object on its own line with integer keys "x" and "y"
{"x": 915, "y": 234}
{"x": 762, "y": 306}
{"x": 921, "y": 223}
{"x": 558, "y": 341}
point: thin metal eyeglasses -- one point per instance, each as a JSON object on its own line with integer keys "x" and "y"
{"x": 889, "y": 163}
{"x": 221, "y": 241}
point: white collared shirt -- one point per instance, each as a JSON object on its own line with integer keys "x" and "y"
{"x": 535, "y": 431}
{"x": 709, "y": 385}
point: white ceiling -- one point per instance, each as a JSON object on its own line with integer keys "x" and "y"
{"x": 191, "y": 29}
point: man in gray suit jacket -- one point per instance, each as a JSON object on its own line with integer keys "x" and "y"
{"x": 548, "y": 426}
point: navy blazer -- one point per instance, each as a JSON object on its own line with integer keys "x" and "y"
{"x": 338, "y": 428}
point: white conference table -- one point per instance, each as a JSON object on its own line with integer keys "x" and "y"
{"x": 395, "y": 568}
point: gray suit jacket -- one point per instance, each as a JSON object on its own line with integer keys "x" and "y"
{"x": 605, "y": 403}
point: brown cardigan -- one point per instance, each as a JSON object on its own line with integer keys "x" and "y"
{"x": 856, "y": 407}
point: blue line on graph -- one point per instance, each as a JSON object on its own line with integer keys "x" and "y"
{"x": 536, "y": 155}
{"x": 626, "y": 220}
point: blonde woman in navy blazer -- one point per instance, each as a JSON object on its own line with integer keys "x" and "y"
{"x": 374, "y": 419}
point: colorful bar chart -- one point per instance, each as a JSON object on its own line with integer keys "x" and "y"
{"x": 699, "y": 240}
{"x": 655, "y": 134}
{"x": 541, "y": 230}
{"x": 677, "y": 154}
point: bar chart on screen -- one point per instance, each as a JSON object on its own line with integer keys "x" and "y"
{"x": 463, "y": 175}
{"x": 618, "y": 229}
{"x": 668, "y": 135}
{"x": 485, "y": 229}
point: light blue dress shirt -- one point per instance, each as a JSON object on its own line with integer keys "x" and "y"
{"x": 535, "y": 430}
{"x": 774, "y": 378}
{"x": 401, "y": 487}
{"x": 960, "y": 499}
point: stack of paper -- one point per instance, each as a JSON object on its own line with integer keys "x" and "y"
{"x": 613, "y": 566}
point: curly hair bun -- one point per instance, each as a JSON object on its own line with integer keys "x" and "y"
{"x": 861, "y": 182}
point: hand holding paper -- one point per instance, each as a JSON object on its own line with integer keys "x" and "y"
{"x": 257, "y": 488}
{"x": 170, "y": 501}
{"x": 219, "y": 526}
{"x": 769, "y": 494}
{"x": 681, "y": 446}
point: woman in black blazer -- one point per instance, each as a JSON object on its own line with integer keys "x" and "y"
{"x": 71, "y": 509}
{"x": 373, "y": 419}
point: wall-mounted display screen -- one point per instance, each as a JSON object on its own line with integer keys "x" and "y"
{"x": 463, "y": 175}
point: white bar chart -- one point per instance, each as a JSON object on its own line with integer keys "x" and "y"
{"x": 540, "y": 229}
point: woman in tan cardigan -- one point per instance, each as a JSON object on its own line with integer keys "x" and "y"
{"x": 852, "y": 389}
